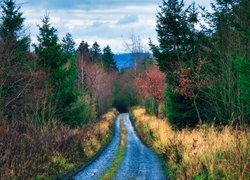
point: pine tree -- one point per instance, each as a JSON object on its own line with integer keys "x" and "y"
{"x": 68, "y": 45}
{"x": 172, "y": 30}
{"x": 108, "y": 59}
{"x": 95, "y": 52}
{"x": 222, "y": 95}
{"x": 13, "y": 58}
{"x": 242, "y": 61}
{"x": 177, "y": 44}
{"x": 48, "y": 49}
{"x": 15, "y": 43}
{"x": 83, "y": 52}
{"x": 63, "y": 76}
{"x": 12, "y": 20}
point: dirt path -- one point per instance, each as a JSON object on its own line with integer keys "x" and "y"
{"x": 97, "y": 168}
{"x": 139, "y": 161}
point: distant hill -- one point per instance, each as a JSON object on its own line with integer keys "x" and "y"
{"x": 125, "y": 61}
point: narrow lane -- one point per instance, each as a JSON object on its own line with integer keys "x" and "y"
{"x": 139, "y": 161}
{"x": 96, "y": 169}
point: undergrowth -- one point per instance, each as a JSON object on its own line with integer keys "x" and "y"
{"x": 29, "y": 152}
{"x": 206, "y": 152}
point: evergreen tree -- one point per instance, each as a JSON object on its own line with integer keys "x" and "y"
{"x": 222, "y": 94}
{"x": 108, "y": 59}
{"x": 12, "y": 20}
{"x": 48, "y": 49}
{"x": 194, "y": 35}
{"x": 83, "y": 46}
{"x": 15, "y": 43}
{"x": 172, "y": 29}
{"x": 176, "y": 37}
{"x": 83, "y": 52}
{"x": 95, "y": 52}
{"x": 242, "y": 61}
{"x": 68, "y": 45}
{"x": 13, "y": 58}
{"x": 63, "y": 76}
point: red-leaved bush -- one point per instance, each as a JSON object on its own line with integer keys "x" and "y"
{"x": 190, "y": 79}
{"x": 151, "y": 83}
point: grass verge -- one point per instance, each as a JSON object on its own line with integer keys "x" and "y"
{"x": 110, "y": 172}
{"x": 206, "y": 152}
{"x": 30, "y": 152}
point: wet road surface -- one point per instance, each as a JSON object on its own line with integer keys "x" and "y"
{"x": 97, "y": 168}
{"x": 139, "y": 161}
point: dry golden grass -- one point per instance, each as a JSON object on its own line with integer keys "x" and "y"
{"x": 202, "y": 153}
{"x": 98, "y": 134}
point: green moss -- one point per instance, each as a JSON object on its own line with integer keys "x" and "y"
{"x": 115, "y": 165}
{"x": 111, "y": 171}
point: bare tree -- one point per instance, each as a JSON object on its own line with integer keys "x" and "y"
{"x": 135, "y": 46}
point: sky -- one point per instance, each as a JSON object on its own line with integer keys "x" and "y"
{"x": 109, "y": 22}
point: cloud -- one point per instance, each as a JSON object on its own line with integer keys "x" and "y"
{"x": 105, "y": 21}
{"x": 87, "y": 4}
{"x": 128, "y": 19}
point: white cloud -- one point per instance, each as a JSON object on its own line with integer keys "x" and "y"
{"x": 105, "y": 21}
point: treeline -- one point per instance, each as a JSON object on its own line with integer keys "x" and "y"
{"x": 56, "y": 81}
{"x": 207, "y": 68}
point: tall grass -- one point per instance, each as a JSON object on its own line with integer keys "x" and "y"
{"x": 206, "y": 152}
{"x": 28, "y": 151}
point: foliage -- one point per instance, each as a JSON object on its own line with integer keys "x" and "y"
{"x": 63, "y": 75}
{"x": 48, "y": 50}
{"x": 30, "y": 152}
{"x": 83, "y": 51}
{"x": 124, "y": 91}
{"x": 14, "y": 57}
{"x": 108, "y": 59}
{"x": 12, "y": 21}
{"x": 68, "y": 45}
{"x": 93, "y": 79}
{"x": 201, "y": 65}
{"x": 178, "y": 44}
{"x": 243, "y": 69}
{"x": 152, "y": 84}
{"x": 95, "y": 52}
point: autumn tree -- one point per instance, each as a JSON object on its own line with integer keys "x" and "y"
{"x": 96, "y": 83}
{"x": 191, "y": 81}
{"x": 152, "y": 84}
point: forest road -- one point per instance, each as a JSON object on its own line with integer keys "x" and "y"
{"x": 139, "y": 161}
{"x": 96, "y": 169}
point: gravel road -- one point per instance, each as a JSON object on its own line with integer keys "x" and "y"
{"x": 139, "y": 161}
{"x": 96, "y": 169}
